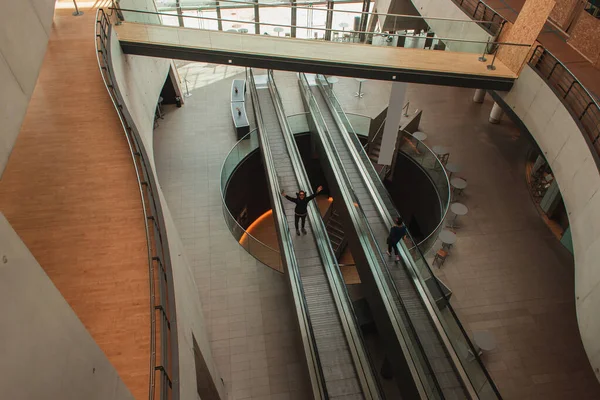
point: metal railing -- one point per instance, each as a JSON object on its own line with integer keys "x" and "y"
{"x": 592, "y": 9}
{"x": 255, "y": 247}
{"x": 483, "y": 14}
{"x": 577, "y": 99}
{"x": 164, "y": 359}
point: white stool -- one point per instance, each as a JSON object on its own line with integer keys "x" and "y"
{"x": 457, "y": 209}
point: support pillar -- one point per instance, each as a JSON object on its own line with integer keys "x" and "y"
{"x": 496, "y": 114}
{"x": 392, "y": 123}
{"x": 479, "y": 95}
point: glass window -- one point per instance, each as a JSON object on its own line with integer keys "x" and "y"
{"x": 200, "y": 23}
{"x": 170, "y": 20}
{"x": 238, "y": 18}
{"x": 344, "y": 21}
{"x": 312, "y": 19}
{"x": 277, "y": 16}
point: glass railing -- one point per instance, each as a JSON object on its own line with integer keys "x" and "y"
{"x": 444, "y": 316}
{"x": 298, "y": 123}
{"x": 262, "y": 252}
{"x": 389, "y": 30}
{"x": 405, "y": 330}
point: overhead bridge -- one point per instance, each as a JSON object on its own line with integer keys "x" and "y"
{"x": 314, "y": 56}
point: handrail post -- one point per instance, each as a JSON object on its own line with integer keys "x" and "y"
{"x": 492, "y": 67}
{"x": 76, "y": 13}
{"x": 482, "y": 57}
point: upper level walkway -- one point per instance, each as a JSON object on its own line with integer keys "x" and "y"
{"x": 70, "y": 192}
{"x": 330, "y": 58}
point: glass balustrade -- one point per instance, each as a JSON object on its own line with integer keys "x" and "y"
{"x": 262, "y": 252}
{"x": 345, "y": 23}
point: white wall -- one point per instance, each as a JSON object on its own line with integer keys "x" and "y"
{"x": 452, "y": 29}
{"x": 140, "y": 80}
{"x": 24, "y": 31}
{"x": 578, "y": 178}
{"x": 45, "y": 351}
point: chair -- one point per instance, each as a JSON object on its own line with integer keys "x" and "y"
{"x": 440, "y": 256}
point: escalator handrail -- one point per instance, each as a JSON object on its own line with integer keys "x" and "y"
{"x": 287, "y": 251}
{"x": 409, "y": 262}
{"x": 369, "y": 383}
{"x": 362, "y": 227}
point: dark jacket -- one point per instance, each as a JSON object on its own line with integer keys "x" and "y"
{"x": 396, "y": 233}
{"x": 301, "y": 205}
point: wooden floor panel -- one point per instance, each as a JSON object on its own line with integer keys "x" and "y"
{"x": 70, "y": 192}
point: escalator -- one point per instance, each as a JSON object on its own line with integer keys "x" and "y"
{"x": 338, "y": 364}
{"x": 440, "y": 366}
{"x": 404, "y": 352}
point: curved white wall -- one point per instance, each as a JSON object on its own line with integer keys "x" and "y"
{"x": 578, "y": 178}
{"x": 140, "y": 80}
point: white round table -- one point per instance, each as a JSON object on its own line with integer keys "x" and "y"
{"x": 343, "y": 25}
{"x": 457, "y": 209}
{"x": 448, "y": 238}
{"x": 452, "y": 168}
{"x": 458, "y": 185}
{"x": 360, "y": 92}
{"x": 421, "y": 136}
{"x": 332, "y": 80}
{"x": 485, "y": 340}
{"x": 278, "y": 30}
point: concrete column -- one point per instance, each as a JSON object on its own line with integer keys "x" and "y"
{"x": 479, "y": 95}
{"x": 392, "y": 123}
{"x": 496, "y": 114}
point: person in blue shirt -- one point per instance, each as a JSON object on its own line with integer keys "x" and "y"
{"x": 397, "y": 232}
{"x": 300, "y": 211}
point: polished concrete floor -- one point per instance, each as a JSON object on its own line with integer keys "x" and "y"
{"x": 508, "y": 273}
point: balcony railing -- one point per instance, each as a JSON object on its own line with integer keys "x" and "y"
{"x": 164, "y": 363}
{"x": 485, "y": 16}
{"x": 581, "y": 104}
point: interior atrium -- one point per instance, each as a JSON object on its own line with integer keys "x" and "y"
{"x": 294, "y": 200}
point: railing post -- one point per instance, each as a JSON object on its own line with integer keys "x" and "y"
{"x": 482, "y": 57}
{"x": 585, "y": 110}
{"x": 76, "y": 13}
{"x": 552, "y": 70}
{"x": 569, "y": 89}
{"x": 476, "y": 9}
